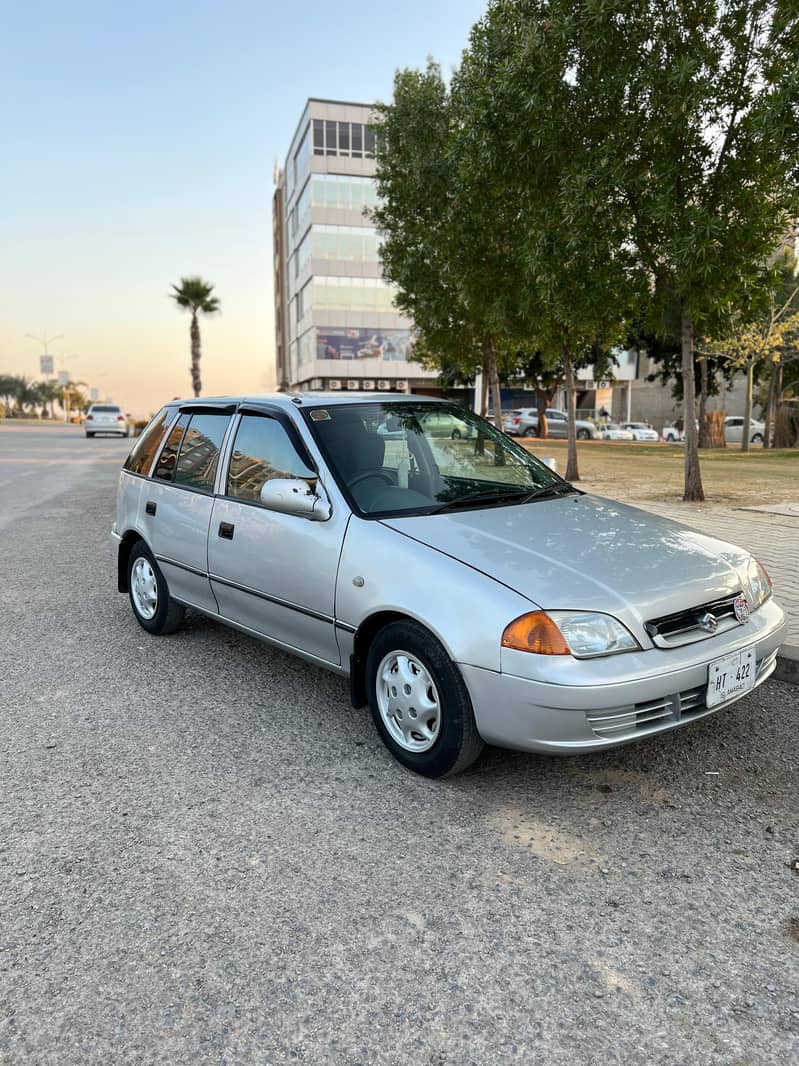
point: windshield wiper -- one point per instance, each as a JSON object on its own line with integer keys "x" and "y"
{"x": 555, "y": 489}
{"x": 495, "y": 496}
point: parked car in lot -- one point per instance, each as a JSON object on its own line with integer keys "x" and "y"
{"x": 672, "y": 434}
{"x": 642, "y": 431}
{"x": 106, "y": 418}
{"x": 470, "y": 594}
{"x": 523, "y": 422}
{"x": 734, "y": 430}
{"x": 613, "y": 431}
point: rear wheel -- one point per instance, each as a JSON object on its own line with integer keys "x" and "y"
{"x": 88, "y": 434}
{"x": 152, "y": 605}
{"x": 419, "y": 703}
{"x": 583, "y": 434}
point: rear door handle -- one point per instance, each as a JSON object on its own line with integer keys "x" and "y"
{"x": 149, "y": 507}
{"x": 226, "y": 530}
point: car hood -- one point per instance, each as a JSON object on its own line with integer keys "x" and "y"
{"x": 586, "y": 553}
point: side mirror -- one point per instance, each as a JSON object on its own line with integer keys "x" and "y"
{"x": 290, "y": 495}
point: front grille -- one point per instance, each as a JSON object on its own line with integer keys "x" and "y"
{"x": 621, "y": 723}
{"x": 685, "y": 627}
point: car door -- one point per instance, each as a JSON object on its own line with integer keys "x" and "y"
{"x": 733, "y": 430}
{"x": 557, "y": 425}
{"x": 271, "y": 572}
{"x": 177, "y": 502}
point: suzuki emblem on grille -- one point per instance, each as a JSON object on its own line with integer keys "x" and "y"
{"x": 741, "y": 607}
{"x": 709, "y": 622}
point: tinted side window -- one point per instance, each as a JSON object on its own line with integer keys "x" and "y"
{"x": 199, "y": 452}
{"x": 165, "y": 467}
{"x": 262, "y": 450}
{"x": 141, "y": 457}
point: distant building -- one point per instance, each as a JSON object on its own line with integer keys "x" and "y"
{"x": 335, "y": 322}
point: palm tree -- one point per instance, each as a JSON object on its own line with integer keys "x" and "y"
{"x": 194, "y": 294}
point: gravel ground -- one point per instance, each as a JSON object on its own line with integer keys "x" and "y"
{"x": 207, "y": 856}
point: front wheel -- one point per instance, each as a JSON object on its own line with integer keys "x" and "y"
{"x": 456, "y": 434}
{"x": 583, "y": 434}
{"x": 757, "y": 438}
{"x": 152, "y": 605}
{"x": 89, "y": 435}
{"x": 419, "y": 703}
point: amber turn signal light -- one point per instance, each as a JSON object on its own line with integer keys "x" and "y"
{"x": 535, "y": 632}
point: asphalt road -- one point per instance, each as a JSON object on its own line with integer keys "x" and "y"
{"x": 207, "y": 856}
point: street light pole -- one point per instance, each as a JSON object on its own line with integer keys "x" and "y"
{"x": 45, "y": 341}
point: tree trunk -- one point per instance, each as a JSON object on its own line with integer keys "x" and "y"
{"x": 747, "y": 430}
{"x": 703, "y": 390}
{"x": 693, "y": 476}
{"x": 769, "y": 420}
{"x": 196, "y": 383}
{"x": 572, "y": 473}
{"x": 541, "y": 404}
{"x": 493, "y": 374}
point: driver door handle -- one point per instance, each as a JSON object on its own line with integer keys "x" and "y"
{"x": 226, "y": 530}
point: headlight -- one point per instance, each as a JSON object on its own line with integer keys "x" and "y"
{"x": 583, "y": 634}
{"x": 757, "y": 583}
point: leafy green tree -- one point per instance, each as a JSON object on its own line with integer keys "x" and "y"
{"x": 708, "y": 99}
{"x": 195, "y": 295}
{"x": 666, "y": 134}
{"x": 536, "y": 140}
{"x": 443, "y": 232}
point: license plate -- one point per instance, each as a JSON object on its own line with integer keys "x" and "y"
{"x": 730, "y": 677}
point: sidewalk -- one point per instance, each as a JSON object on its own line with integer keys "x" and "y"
{"x": 770, "y": 532}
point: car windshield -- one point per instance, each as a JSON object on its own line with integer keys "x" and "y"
{"x": 421, "y": 458}
{"x": 105, "y": 409}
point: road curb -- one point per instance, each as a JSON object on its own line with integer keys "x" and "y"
{"x": 788, "y": 665}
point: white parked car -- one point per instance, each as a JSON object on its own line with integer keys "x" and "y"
{"x": 671, "y": 434}
{"x": 612, "y": 431}
{"x": 106, "y": 418}
{"x": 734, "y": 430}
{"x": 642, "y": 431}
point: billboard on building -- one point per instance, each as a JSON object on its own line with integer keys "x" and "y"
{"x": 45, "y": 364}
{"x": 387, "y": 344}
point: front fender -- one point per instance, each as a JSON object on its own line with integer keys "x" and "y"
{"x": 382, "y": 570}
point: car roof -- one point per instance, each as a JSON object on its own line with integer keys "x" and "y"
{"x": 293, "y": 400}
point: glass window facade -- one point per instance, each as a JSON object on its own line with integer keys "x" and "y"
{"x": 352, "y": 294}
{"x": 350, "y": 243}
{"x": 353, "y": 139}
{"x": 341, "y": 190}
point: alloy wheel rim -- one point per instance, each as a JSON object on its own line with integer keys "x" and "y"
{"x": 408, "y": 701}
{"x": 144, "y": 589}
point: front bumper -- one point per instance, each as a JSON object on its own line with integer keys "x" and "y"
{"x": 596, "y": 713}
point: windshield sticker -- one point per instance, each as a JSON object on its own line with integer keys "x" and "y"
{"x": 320, "y": 416}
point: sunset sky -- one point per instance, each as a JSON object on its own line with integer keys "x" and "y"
{"x": 138, "y": 145}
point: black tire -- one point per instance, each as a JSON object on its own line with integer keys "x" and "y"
{"x": 583, "y": 434}
{"x": 89, "y": 434}
{"x": 757, "y": 438}
{"x": 168, "y": 614}
{"x": 458, "y": 743}
{"x": 456, "y": 434}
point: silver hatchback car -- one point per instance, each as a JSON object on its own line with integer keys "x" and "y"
{"x": 470, "y": 594}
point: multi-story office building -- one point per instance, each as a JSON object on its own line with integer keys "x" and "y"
{"x": 335, "y": 321}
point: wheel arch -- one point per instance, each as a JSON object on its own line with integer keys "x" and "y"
{"x": 362, "y": 640}
{"x": 123, "y": 556}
